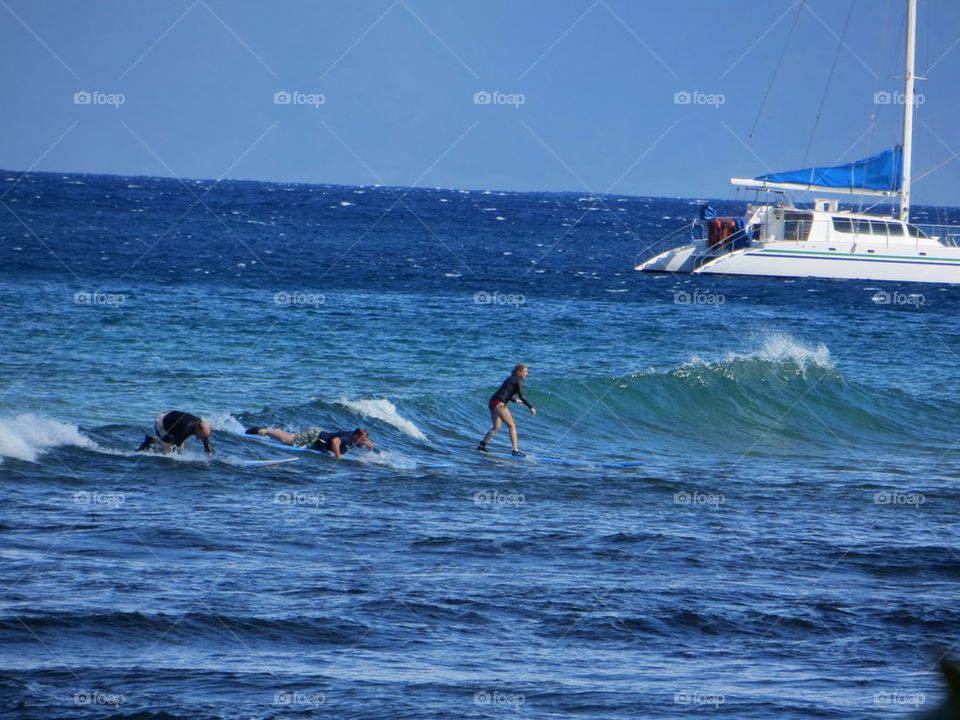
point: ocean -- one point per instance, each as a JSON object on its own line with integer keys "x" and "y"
{"x": 781, "y": 542}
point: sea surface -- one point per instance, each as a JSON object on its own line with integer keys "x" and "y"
{"x": 784, "y": 545}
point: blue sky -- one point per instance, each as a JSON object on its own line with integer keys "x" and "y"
{"x": 384, "y": 91}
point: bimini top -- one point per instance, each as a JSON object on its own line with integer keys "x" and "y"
{"x": 881, "y": 173}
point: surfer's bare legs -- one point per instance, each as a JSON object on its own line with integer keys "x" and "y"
{"x": 502, "y": 412}
{"x": 508, "y": 419}
{"x": 282, "y": 435}
{"x": 492, "y": 431}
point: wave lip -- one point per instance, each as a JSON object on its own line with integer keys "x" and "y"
{"x": 777, "y": 349}
{"x": 28, "y": 436}
{"x": 383, "y": 409}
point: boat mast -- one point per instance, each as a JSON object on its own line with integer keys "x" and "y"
{"x": 908, "y": 111}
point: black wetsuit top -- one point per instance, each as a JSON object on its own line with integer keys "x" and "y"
{"x": 511, "y": 387}
{"x": 178, "y": 427}
{"x": 323, "y": 442}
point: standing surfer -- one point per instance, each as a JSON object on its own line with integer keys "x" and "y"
{"x": 510, "y": 390}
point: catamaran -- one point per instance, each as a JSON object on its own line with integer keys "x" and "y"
{"x": 777, "y": 238}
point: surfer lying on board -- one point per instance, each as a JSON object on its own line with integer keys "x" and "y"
{"x": 337, "y": 442}
{"x": 174, "y": 428}
{"x": 510, "y": 390}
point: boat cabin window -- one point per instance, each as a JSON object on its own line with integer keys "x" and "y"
{"x": 916, "y": 232}
{"x": 842, "y": 224}
{"x": 862, "y": 226}
{"x": 796, "y": 225}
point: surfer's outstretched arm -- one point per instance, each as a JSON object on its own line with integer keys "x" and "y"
{"x": 521, "y": 398}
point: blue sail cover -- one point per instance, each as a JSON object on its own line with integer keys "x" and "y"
{"x": 880, "y": 172}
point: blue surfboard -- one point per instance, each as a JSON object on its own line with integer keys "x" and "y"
{"x": 260, "y": 463}
{"x": 223, "y": 459}
{"x": 415, "y": 464}
{"x": 565, "y": 462}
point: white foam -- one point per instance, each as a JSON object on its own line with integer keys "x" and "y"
{"x": 778, "y": 348}
{"x": 27, "y": 436}
{"x": 225, "y": 422}
{"x": 383, "y": 409}
{"x": 386, "y": 459}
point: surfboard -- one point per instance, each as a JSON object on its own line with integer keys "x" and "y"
{"x": 226, "y": 460}
{"x": 261, "y": 463}
{"x": 413, "y": 463}
{"x": 270, "y": 442}
{"x": 565, "y": 462}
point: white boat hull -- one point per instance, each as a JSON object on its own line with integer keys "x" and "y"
{"x": 889, "y": 264}
{"x": 677, "y": 260}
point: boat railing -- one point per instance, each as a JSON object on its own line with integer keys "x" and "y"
{"x": 948, "y": 235}
{"x": 710, "y": 244}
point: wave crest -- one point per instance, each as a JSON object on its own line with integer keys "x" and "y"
{"x": 384, "y": 410}
{"x": 779, "y": 350}
{"x": 27, "y": 436}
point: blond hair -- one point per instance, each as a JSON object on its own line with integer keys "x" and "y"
{"x": 519, "y": 368}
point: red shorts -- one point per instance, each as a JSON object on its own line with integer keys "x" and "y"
{"x": 493, "y": 403}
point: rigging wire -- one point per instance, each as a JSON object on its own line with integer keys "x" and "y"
{"x": 826, "y": 90}
{"x": 786, "y": 45}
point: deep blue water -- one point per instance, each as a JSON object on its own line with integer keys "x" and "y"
{"x": 788, "y": 549}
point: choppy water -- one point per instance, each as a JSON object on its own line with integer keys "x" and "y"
{"x": 789, "y": 548}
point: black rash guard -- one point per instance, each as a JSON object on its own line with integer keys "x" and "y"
{"x": 323, "y": 442}
{"x": 177, "y": 427}
{"x": 511, "y": 387}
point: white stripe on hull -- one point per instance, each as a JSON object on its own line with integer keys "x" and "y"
{"x": 792, "y": 263}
